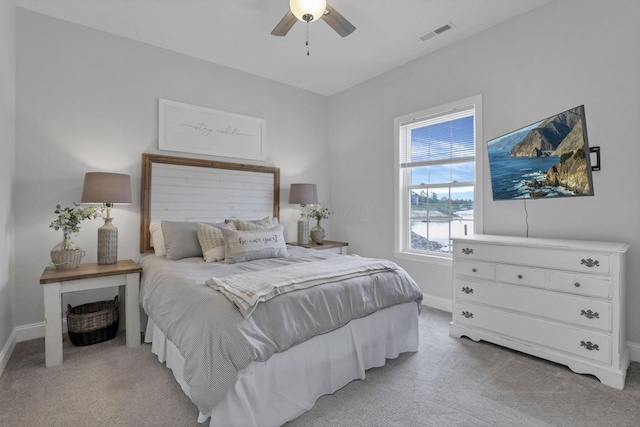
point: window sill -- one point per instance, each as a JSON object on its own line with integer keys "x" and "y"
{"x": 427, "y": 259}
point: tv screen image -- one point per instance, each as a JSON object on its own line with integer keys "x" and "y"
{"x": 547, "y": 159}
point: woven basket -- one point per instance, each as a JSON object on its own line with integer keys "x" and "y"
{"x": 93, "y": 323}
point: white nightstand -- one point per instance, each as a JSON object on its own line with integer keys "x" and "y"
{"x": 124, "y": 274}
{"x": 331, "y": 246}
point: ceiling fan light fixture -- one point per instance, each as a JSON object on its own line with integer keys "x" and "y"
{"x": 308, "y": 10}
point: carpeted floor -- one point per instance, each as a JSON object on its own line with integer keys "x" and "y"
{"x": 449, "y": 382}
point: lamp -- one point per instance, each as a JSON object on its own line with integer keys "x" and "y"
{"x": 308, "y": 10}
{"x": 303, "y": 194}
{"x": 107, "y": 189}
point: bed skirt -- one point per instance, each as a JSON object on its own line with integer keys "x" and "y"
{"x": 289, "y": 383}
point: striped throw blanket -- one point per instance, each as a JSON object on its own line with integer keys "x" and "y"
{"x": 246, "y": 290}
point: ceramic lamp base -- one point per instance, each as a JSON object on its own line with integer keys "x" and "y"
{"x": 107, "y": 243}
{"x": 303, "y": 231}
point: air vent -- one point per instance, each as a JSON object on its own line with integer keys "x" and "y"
{"x": 436, "y": 32}
{"x": 442, "y": 29}
{"x": 427, "y": 36}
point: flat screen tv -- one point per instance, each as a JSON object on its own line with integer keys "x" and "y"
{"x": 547, "y": 159}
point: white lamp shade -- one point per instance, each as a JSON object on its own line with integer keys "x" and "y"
{"x": 315, "y": 8}
{"x": 108, "y": 188}
{"x": 303, "y": 194}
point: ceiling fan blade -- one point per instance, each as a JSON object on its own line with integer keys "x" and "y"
{"x": 284, "y": 25}
{"x": 338, "y": 22}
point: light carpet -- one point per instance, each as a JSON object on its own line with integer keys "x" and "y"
{"x": 448, "y": 382}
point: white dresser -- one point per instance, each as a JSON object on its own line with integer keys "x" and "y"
{"x": 561, "y": 300}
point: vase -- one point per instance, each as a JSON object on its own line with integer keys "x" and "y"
{"x": 66, "y": 254}
{"x": 317, "y": 234}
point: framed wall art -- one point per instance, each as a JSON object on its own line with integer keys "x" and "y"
{"x": 200, "y": 130}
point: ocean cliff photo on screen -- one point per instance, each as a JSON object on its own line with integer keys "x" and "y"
{"x": 549, "y": 158}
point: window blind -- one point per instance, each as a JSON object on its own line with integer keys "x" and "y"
{"x": 444, "y": 138}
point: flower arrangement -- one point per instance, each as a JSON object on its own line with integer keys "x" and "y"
{"x": 69, "y": 218}
{"x": 319, "y": 213}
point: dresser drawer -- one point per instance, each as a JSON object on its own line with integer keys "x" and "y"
{"x": 573, "y": 260}
{"x": 520, "y": 275}
{"x": 586, "y": 344}
{"x": 476, "y": 270}
{"x": 583, "y": 312}
{"x": 580, "y": 284}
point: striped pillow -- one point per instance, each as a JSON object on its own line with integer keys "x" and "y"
{"x": 211, "y": 242}
{"x": 259, "y": 224}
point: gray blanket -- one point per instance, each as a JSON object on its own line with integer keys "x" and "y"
{"x": 217, "y": 342}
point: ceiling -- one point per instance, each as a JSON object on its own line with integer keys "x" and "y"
{"x": 236, "y": 33}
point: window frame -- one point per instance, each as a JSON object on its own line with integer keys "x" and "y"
{"x": 402, "y": 217}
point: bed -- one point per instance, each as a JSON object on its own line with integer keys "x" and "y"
{"x": 254, "y": 330}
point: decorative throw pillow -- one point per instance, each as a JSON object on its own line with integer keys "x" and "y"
{"x": 258, "y": 224}
{"x": 211, "y": 241}
{"x": 241, "y": 246}
{"x": 181, "y": 239}
{"x": 157, "y": 240}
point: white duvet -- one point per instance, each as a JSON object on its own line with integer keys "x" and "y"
{"x": 217, "y": 342}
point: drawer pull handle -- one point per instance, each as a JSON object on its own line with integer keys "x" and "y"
{"x": 590, "y": 314}
{"x": 467, "y": 314}
{"x": 589, "y": 345}
{"x": 467, "y": 251}
{"x": 475, "y": 270}
{"x": 519, "y": 276}
{"x": 590, "y": 262}
{"x": 577, "y": 285}
{"x": 468, "y": 290}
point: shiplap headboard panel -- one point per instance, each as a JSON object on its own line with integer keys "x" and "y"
{"x": 183, "y": 189}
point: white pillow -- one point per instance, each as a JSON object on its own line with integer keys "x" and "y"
{"x": 211, "y": 241}
{"x": 157, "y": 240}
{"x": 241, "y": 246}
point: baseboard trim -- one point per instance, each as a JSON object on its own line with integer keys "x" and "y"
{"x": 29, "y": 332}
{"x": 23, "y": 333}
{"x": 35, "y": 331}
{"x": 7, "y": 350}
{"x": 439, "y": 303}
{"x": 634, "y": 351}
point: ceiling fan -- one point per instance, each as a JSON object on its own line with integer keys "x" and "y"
{"x": 311, "y": 10}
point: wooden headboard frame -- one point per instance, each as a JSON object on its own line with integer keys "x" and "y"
{"x": 244, "y": 173}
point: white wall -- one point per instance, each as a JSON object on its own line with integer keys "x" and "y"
{"x": 87, "y": 101}
{"x": 7, "y": 149}
{"x": 564, "y": 54}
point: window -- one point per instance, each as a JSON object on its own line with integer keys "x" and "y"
{"x": 438, "y": 163}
